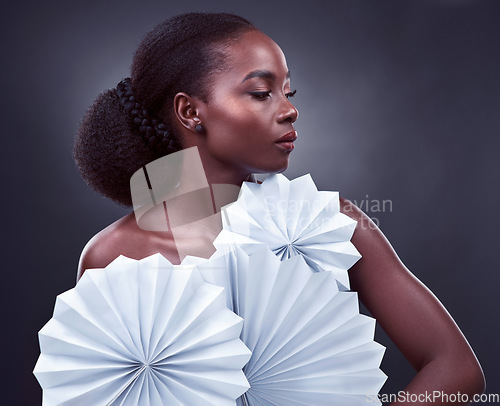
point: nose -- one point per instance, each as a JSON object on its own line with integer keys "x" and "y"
{"x": 287, "y": 112}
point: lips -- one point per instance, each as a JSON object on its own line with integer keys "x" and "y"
{"x": 286, "y": 141}
{"x": 288, "y": 137}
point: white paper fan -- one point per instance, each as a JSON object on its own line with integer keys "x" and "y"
{"x": 292, "y": 218}
{"x": 142, "y": 333}
{"x": 310, "y": 345}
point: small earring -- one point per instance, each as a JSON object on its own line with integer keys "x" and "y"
{"x": 198, "y": 128}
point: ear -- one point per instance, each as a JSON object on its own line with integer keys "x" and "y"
{"x": 186, "y": 110}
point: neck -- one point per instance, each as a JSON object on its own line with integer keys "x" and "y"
{"x": 186, "y": 186}
{"x": 217, "y": 172}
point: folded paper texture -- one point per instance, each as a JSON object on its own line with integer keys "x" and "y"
{"x": 310, "y": 345}
{"x": 142, "y": 333}
{"x": 292, "y": 218}
{"x": 268, "y": 319}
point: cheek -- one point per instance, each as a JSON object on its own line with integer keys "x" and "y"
{"x": 239, "y": 122}
{"x": 236, "y": 115}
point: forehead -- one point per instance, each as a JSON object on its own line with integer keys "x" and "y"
{"x": 252, "y": 51}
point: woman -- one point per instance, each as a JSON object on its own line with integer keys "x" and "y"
{"x": 215, "y": 82}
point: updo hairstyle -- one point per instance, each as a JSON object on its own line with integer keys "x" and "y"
{"x": 127, "y": 127}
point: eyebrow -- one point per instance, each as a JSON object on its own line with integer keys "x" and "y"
{"x": 263, "y": 74}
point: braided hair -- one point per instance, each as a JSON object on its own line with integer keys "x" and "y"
{"x": 129, "y": 126}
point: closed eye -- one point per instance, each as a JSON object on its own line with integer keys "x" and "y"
{"x": 290, "y": 94}
{"x": 260, "y": 95}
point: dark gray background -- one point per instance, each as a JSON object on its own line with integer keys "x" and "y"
{"x": 398, "y": 100}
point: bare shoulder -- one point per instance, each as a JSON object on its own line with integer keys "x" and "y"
{"x": 367, "y": 235}
{"x": 105, "y": 246}
{"x": 350, "y": 209}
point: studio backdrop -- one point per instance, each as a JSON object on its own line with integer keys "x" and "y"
{"x": 399, "y": 111}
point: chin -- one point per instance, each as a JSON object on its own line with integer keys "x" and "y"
{"x": 273, "y": 169}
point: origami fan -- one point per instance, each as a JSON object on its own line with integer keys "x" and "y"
{"x": 292, "y": 218}
{"x": 142, "y": 333}
{"x": 310, "y": 345}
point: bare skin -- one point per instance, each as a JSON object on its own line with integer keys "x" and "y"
{"x": 412, "y": 316}
{"x": 242, "y": 122}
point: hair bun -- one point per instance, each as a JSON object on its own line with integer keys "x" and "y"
{"x": 129, "y": 126}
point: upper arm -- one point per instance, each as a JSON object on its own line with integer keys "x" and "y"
{"x": 406, "y": 309}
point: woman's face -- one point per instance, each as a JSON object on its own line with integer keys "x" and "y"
{"x": 248, "y": 119}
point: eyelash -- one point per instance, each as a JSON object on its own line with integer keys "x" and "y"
{"x": 264, "y": 95}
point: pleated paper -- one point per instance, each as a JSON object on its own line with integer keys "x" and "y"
{"x": 310, "y": 345}
{"x": 142, "y": 333}
{"x": 292, "y": 218}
